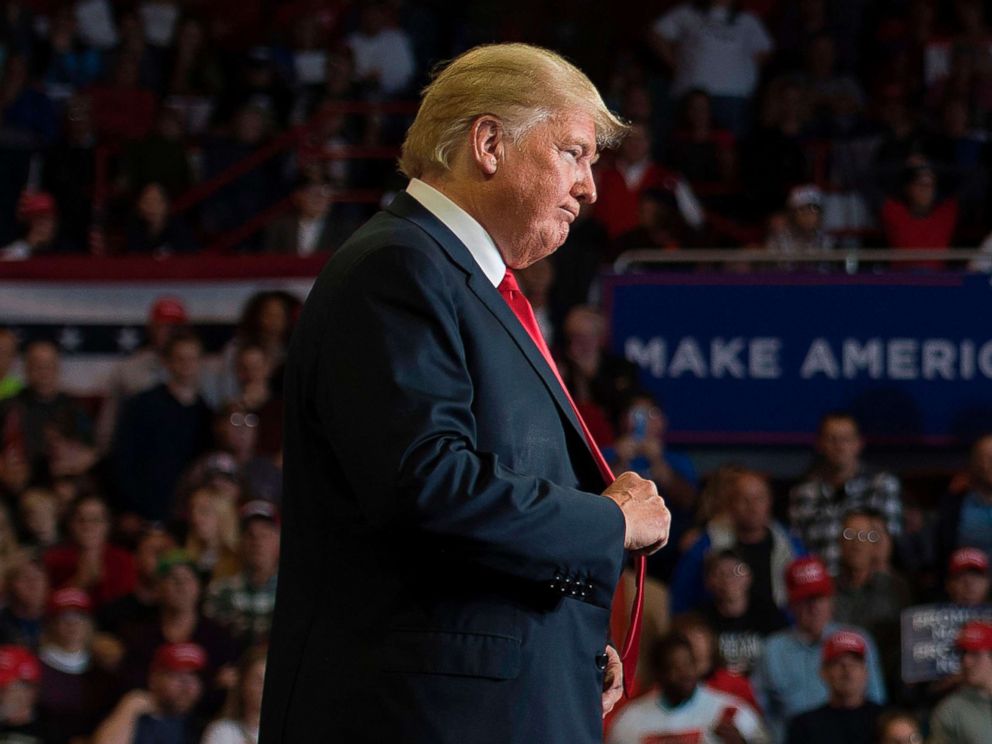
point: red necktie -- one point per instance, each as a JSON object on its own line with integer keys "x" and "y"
{"x": 510, "y": 291}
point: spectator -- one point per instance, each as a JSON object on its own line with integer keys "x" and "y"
{"x": 802, "y": 230}
{"x": 161, "y": 431}
{"x": 244, "y": 704}
{"x": 212, "y": 535}
{"x": 143, "y": 369}
{"x": 27, "y": 599}
{"x": 194, "y": 71}
{"x": 786, "y": 678}
{"x": 153, "y": 229}
{"x": 763, "y": 544}
{"x": 141, "y": 605}
{"x": 683, "y": 709}
{"x": 919, "y": 219}
{"x": 898, "y": 727}
{"x": 965, "y": 716}
{"x": 53, "y": 434}
{"x": 10, "y": 382}
{"x": 160, "y": 158}
{"x": 37, "y": 210}
{"x": 87, "y": 560}
{"x": 838, "y": 483}
{"x": 383, "y": 53}
{"x": 311, "y": 227}
{"x": 847, "y": 715}
{"x": 243, "y": 603}
{"x": 39, "y": 517}
{"x": 741, "y": 626}
{"x": 258, "y": 86}
{"x": 164, "y": 713}
{"x": 67, "y": 65}
{"x": 699, "y": 150}
{"x": 968, "y": 577}
{"x": 75, "y": 688}
{"x": 717, "y": 47}
{"x": 965, "y": 517}
{"x": 22, "y": 721}
{"x": 252, "y": 369}
{"x": 659, "y": 224}
{"x": 832, "y": 96}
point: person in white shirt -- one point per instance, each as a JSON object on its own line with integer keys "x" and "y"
{"x": 682, "y": 710}
{"x": 383, "y": 53}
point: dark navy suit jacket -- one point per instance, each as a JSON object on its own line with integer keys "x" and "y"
{"x": 447, "y": 567}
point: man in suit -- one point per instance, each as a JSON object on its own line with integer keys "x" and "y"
{"x": 448, "y": 561}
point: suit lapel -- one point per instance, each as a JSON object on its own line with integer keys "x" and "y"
{"x": 407, "y": 207}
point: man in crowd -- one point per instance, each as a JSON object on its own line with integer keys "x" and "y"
{"x": 141, "y": 604}
{"x": 847, "y": 715}
{"x": 965, "y": 716}
{"x": 965, "y": 518}
{"x": 161, "y": 431}
{"x": 839, "y": 483}
{"x": 434, "y": 464}
{"x": 683, "y": 709}
{"x": 763, "y": 544}
{"x": 27, "y": 597}
{"x": 162, "y": 714}
{"x": 968, "y": 580}
{"x": 243, "y": 603}
{"x": 21, "y": 722}
{"x": 787, "y": 679}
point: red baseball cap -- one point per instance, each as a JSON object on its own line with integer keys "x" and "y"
{"x": 975, "y": 636}
{"x": 179, "y": 657}
{"x": 843, "y": 642}
{"x": 69, "y": 598}
{"x": 968, "y": 559}
{"x": 168, "y": 311}
{"x": 18, "y": 664}
{"x": 806, "y": 578}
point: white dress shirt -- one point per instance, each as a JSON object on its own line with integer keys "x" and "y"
{"x": 465, "y": 227}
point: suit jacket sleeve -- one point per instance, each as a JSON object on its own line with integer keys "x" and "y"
{"x": 394, "y": 397}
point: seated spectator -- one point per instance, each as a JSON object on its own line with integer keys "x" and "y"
{"x": 87, "y": 560}
{"x": 27, "y": 600}
{"x": 52, "y": 433}
{"x": 39, "y": 517}
{"x": 243, "y": 603}
{"x": 39, "y": 213}
{"x": 762, "y": 543}
{"x": 965, "y": 716}
{"x": 152, "y": 229}
{"x": 75, "y": 688}
{"x": 179, "y": 620}
{"x": 964, "y": 517}
{"x": 699, "y": 150}
{"x": 141, "y": 605}
{"x": 847, "y": 715}
{"x": 786, "y": 678}
{"x": 968, "y": 580}
{"x": 10, "y": 382}
{"x": 801, "y": 231}
{"x": 383, "y": 52}
{"x": 143, "y": 369}
{"x": 161, "y": 431}
{"x": 740, "y": 626}
{"x": 598, "y": 380}
{"x": 712, "y": 670}
{"x": 918, "y": 219}
{"x": 244, "y": 704}
{"x": 212, "y": 535}
{"x": 165, "y": 712}
{"x": 683, "y": 709}
{"x": 20, "y": 674}
{"x": 310, "y": 227}
{"x": 838, "y": 483}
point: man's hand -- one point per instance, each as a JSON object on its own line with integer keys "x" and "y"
{"x": 647, "y": 517}
{"x": 612, "y": 680}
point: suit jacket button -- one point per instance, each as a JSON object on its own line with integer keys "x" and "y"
{"x": 601, "y": 660}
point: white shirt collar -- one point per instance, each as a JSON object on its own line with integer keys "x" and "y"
{"x": 465, "y": 227}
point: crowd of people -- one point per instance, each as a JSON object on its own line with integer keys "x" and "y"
{"x": 165, "y": 126}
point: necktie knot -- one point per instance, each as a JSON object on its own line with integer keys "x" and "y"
{"x": 509, "y": 283}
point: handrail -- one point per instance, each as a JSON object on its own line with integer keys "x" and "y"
{"x": 849, "y": 257}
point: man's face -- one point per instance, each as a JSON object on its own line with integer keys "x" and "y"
{"x": 175, "y": 692}
{"x": 813, "y": 614}
{"x": 976, "y": 668}
{"x": 260, "y": 540}
{"x": 540, "y": 185}
{"x": 183, "y": 363}
{"x": 90, "y": 524}
{"x": 678, "y": 674}
{"x": 968, "y": 588}
{"x": 179, "y": 588}
{"x": 30, "y": 587}
{"x": 750, "y": 503}
{"x": 41, "y": 369}
{"x": 846, "y": 676}
{"x": 840, "y": 443}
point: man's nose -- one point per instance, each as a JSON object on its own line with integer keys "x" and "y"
{"x": 584, "y": 190}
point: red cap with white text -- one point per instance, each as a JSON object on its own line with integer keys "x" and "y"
{"x": 843, "y": 642}
{"x": 806, "y": 578}
{"x": 968, "y": 559}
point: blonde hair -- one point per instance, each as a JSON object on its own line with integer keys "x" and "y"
{"x": 520, "y": 84}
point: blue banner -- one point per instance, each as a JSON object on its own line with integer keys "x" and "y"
{"x": 760, "y": 358}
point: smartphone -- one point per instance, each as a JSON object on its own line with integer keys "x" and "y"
{"x": 640, "y": 421}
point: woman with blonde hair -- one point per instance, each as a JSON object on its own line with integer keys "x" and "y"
{"x": 244, "y": 704}
{"x": 212, "y": 536}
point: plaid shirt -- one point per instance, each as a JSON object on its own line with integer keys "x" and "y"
{"x": 816, "y": 510}
{"x": 243, "y": 609}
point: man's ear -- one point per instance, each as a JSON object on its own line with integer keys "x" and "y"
{"x": 487, "y": 143}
